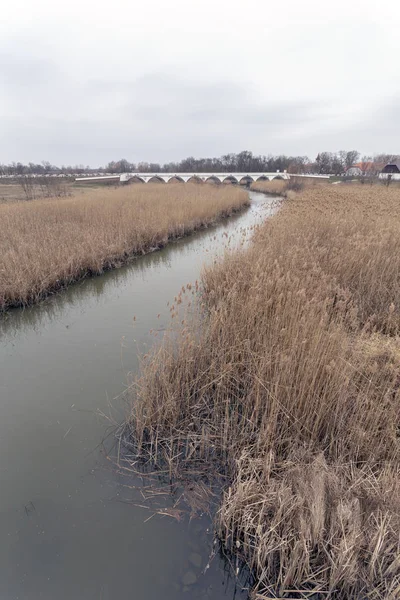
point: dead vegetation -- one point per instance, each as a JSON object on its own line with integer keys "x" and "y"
{"x": 47, "y": 244}
{"x": 33, "y": 188}
{"x": 283, "y": 187}
{"x": 286, "y": 384}
{"x": 276, "y": 187}
{"x": 44, "y": 187}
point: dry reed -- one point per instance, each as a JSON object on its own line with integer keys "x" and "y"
{"x": 47, "y": 244}
{"x": 276, "y": 187}
{"x": 287, "y": 384}
{"x": 284, "y": 187}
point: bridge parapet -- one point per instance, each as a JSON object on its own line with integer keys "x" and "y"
{"x": 185, "y": 177}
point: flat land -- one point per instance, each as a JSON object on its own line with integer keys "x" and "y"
{"x": 286, "y": 385}
{"x": 47, "y": 244}
{"x": 11, "y": 192}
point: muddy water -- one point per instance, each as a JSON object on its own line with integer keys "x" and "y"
{"x": 69, "y": 528}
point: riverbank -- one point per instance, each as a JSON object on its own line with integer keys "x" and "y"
{"x": 46, "y": 245}
{"x": 284, "y": 187}
{"x": 285, "y": 384}
{"x": 76, "y": 350}
{"x": 276, "y": 187}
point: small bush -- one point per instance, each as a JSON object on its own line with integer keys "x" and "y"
{"x": 43, "y": 187}
{"x": 296, "y": 184}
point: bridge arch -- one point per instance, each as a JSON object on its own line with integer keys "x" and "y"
{"x": 156, "y": 179}
{"x": 195, "y": 179}
{"x": 214, "y": 179}
{"x": 262, "y": 178}
{"x": 136, "y": 179}
{"x": 277, "y": 177}
{"x": 175, "y": 179}
{"x": 246, "y": 179}
{"x": 229, "y": 179}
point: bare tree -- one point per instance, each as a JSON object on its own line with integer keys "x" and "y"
{"x": 337, "y": 164}
{"x": 341, "y": 157}
{"x": 351, "y": 158}
{"x": 369, "y": 170}
{"x": 28, "y": 187}
{"x": 43, "y": 187}
{"x": 324, "y": 163}
{"x": 52, "y": 187}
{"x": 388, "y": 179}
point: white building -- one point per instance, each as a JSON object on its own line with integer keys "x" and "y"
{"x": 391, "y": 170}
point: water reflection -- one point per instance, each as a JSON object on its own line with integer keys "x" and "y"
{"x": 84, "y": 293}
{"x": 65, "y": 529}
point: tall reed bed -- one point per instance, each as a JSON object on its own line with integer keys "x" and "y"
{"x": 283, "y": 187}
{"x": 276, "y": 187}
{"x": 286, "y": 385}
{"x": 47, "y": 244}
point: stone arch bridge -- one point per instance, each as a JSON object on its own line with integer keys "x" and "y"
{"x": 186, "y": 177}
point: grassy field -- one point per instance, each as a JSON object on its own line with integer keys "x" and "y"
{"x": 27, "y": 189}
{"x": 11, "y": 192}
{"x": 285, "y": 383}
{"x": 47, "y": 244}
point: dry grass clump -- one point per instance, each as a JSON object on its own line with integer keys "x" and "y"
{"x": 353, "y": 234}
{"x": 276, "y": 187}
{"x": 47, "y": 244}
{"x": 284, "y": 187}
{"x": 308, "y": 525}
{"x": 287, "y": 385}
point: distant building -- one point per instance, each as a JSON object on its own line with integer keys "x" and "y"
{"x": 354, "y": 171}
{"x": 364, "y": 169}
{"x": 392, "y": 167}
{"x": 391, "y": 170}
{"x": 360, "y": 169}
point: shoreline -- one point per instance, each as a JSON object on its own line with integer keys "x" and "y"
{"x": 296, "y": 364}
{"x": 118, "y": 262}
{"x": 270, "y": 194}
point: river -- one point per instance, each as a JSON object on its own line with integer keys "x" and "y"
{"x": 68, "y": 525}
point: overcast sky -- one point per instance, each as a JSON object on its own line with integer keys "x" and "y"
{"x": 91, "y": 81}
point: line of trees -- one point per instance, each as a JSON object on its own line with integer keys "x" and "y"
{"x": 43, "y": 168}
{"x": 334, "y": 163}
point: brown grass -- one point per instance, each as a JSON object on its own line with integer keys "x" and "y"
{"x": 47, "y": 244}
{"x": 276, "y": 187}
{"x": 281, "y": 187}
{"x": 287, "y": 385}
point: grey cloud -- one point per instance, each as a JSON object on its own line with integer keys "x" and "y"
{"x": 160, "y": 96}
{"x": 19, "y": 70}
{"x": 89, "y": 85}
{"x": 160, "y": 99}
{"x": 378, "y": 131}
{"x": 30, "y": 84}
{"x": 159, "y": 118}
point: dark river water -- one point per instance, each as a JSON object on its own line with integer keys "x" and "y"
{"x": 69, "y": 526}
